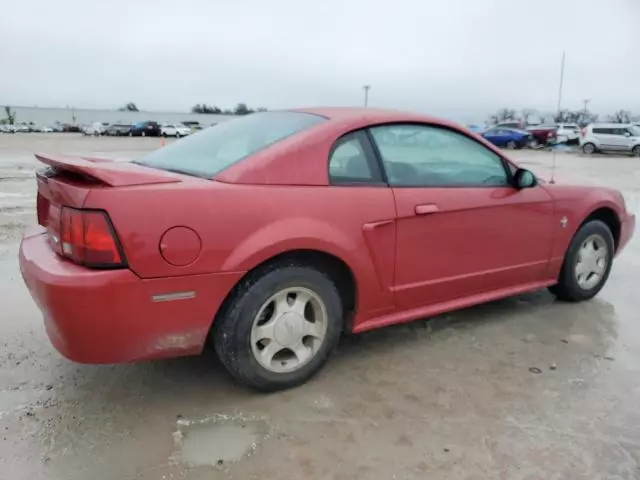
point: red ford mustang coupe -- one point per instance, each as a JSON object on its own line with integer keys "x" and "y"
{"x": 271, "y": 234}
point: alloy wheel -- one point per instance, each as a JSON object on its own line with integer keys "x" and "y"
{"x": 592, "y": 262}
{"x": 289, "y": 329}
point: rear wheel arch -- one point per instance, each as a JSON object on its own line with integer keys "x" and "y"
{"x": 334, "y": 267}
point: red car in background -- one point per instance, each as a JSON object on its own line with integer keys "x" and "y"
{"x": 271, "y": 234}
{"x": 544, "y": 134}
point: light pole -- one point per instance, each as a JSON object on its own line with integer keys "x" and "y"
{"x": 366, "y": 95}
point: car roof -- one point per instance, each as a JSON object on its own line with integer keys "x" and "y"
{"x": 279, "y": 164}
{"x": 376, "y": 115}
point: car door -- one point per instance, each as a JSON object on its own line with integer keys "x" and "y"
{"x": 607, "y": 138}
{"x": 461, "y": 228}
{"x": 618, "y": 139}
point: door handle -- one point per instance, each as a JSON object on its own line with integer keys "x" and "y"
{"x": 426, "y": 209}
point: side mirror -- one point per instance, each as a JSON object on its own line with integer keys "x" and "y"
{"x": 524, "y": 179}
{"x": 627, "y": 134}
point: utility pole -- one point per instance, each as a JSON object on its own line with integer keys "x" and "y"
{"x": 366, "y": 95}
{"x": 561, "y": 83}
{"x": 584, "y": 110}
{"x": 553, "y": 164}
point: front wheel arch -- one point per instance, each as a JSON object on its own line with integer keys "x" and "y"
{"x": 610, "y": 218}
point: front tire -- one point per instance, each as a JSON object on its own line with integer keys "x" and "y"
{"x": 587, "y": 263}
{"x": 279, "y": 327}
{"x": 511, "y": 145}
{"x": 589, "y": 148}
{"x": 636, "y": 151}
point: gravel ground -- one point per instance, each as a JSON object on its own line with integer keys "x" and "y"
{"x": 524, "y": 388}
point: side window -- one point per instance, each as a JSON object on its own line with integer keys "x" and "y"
{"x": 429, "y": 156}
{"x": 351, "y": 161}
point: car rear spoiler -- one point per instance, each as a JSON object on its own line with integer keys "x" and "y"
{"x": 108, "y": 172}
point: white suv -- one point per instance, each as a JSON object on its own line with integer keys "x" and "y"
{"x": 567, "y": 133}
{"x": 611, "y": 137}
{"x": 175, "y": 130}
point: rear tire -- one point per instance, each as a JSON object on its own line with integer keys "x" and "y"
{"x": 511, "y": 145}
{"x": 264, "y": 361}
{"x": 636, "y": 151}
{"x": 589, "y": 148}
{"x": 587, "y": 263}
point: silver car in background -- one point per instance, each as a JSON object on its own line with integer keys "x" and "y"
{"x": 611, "y": 137}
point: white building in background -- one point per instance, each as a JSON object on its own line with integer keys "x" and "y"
{"x": 80, "y": 116}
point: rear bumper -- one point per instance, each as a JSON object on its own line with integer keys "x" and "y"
{"x": 627, "y": 228}
{"x": 112, "y": 316}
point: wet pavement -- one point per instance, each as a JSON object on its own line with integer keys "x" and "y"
{"x": 523, "y": 388}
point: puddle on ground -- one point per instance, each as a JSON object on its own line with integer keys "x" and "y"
{"x": 217, "y": 441}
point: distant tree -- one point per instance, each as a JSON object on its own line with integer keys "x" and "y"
{"x": 581, "y": 117}
{"x": 10, "y": 115}
{"x": 227, "y": 111}
{"x": 502, "y": 115}
{"x": 129, "y": 107}
{"x": 242, "y": 109}
{"x": 620, "y": 116}
{"x": 204, "y": 108}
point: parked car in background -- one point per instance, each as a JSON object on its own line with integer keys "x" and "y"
{"x": 567, "y": 133}
{"x": 68, "y": 128}
{"x": 7, "y": 128}
{"x": 23, "y": 128}
{"x": 543, "y": 134}
{"x": 174, "y": 130}
{"x": 508, "y": 137}
{"x": 611, "y": 137}
{"x": 96, "y": 129}
{"x": 517, "y": 124}
{"x": 193, "y": 125}
{"x": 45, "y": 129}
{"x": 145, "y": 129}
{"x": 118, "y": 130}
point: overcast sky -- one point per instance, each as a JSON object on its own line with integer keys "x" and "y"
{"x": 456, "y": 58}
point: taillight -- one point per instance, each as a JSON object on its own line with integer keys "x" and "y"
{"x": 88, "y": 238}
{"x": 42, "y": 208}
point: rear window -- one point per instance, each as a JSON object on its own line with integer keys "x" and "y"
{"x": 210, "y": 151}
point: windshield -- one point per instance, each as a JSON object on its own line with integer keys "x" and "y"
{"x": 210, "y": 151}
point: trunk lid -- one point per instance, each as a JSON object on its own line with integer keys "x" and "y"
{"x": 68, "y": 180}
